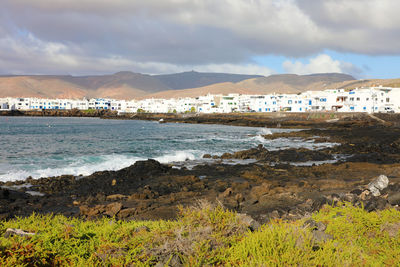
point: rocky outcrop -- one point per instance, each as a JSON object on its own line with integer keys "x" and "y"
{"x": 288, "y": 155}
{"x": 262, "y": 190}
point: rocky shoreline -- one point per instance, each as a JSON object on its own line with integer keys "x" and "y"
{"x": 269, "y": 187}
{"x": 271, "y": 120}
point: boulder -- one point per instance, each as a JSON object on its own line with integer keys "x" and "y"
{"x": 91, "y": 211}
{"x": 378, "y": 184}
{"x": 375, "y": 203}
{"x": 394, "y": 198}
{"x": 113, "y": 208}
{"x": 4, "y": 193}
{"x": 12, "y": 194}
{"x": 356, "y": 192}
{"x": 317, "y": 231}
{"x": 260, "y": 190}
{"x": 126, "y": 213}
{"x": 252, "y": 224}
{"x": 320, "y": 236}
{"x": 146, "y": 167}
{"x": 115, "y": 197}
{"x": 313, "y": 225}
{"x": 228, "y": 192}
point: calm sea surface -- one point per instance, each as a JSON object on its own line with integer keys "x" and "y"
{"x": 43, "y": 147}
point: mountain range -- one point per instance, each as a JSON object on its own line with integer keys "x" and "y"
{"x": 130, "y": 85}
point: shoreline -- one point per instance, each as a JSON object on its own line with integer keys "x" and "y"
{"x": 149, "y": 190}
{"x": 290, "y": 120}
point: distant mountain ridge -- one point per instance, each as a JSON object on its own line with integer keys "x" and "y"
{"x": 193, "y": 79}
{"x": 129, "y": 85}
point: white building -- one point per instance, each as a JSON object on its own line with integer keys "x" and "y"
{"x": 371, "y": 99}
{"x": 4, "y": 104}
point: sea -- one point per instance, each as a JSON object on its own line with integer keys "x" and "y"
{"x": 52, "y": 146}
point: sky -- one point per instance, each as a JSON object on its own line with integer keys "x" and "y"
{"x": 93, "y": 37}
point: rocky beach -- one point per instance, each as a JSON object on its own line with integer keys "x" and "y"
{"x": 288, "y": 184}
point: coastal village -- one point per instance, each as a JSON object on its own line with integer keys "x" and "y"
{"x": 367, "y": 99}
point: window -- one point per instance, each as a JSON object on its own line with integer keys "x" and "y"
{"x": 358, "y": 99}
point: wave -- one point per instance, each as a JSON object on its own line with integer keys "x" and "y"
{"x": 79, "y": 166}
{"x": 88, "y": 165}
{"x": 265, "y": 131}
{"x": 177, "y": 156}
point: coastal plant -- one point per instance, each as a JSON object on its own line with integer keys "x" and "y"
{"x": 206, "y": 235}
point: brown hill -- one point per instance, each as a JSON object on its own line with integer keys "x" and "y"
{"x": 37, "y": 86}
{"x": 129, "y": 85}
{"x": 283, "y": 83}
{"x": 121, "y": 85}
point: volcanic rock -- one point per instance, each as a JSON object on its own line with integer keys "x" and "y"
{"x": 126, "y": 213}
{"x": 394, "y": 198}
{"x": 113, "y": 208}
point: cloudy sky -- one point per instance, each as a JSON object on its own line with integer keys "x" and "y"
{"x": 80, "y": 37}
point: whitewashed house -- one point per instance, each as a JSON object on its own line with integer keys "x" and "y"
{"x": 205, "y": 104}
{"x": 291, "y": 103}
{"x": 99, "y": 104}
{"x": 229, "y": 103}
{"x": 394, "y": 96}
{"x": 81, "y": 104}
{"x": 4, "y": 104}
{"x": 19, "y": 103}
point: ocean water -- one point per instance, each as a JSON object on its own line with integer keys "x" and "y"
{"x": 51, "y": 146}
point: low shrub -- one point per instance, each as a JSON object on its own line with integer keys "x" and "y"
{"x": 205, "y": 235}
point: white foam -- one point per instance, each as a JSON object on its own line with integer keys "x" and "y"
{"x": 177, "y": 156}
{"x": 82, "y": 166}
{"x": 259, "y": 139}
{"x": 79, "y": 166}
{"x": 265, "y": 131}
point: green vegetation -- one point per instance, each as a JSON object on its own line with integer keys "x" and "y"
{"x": 88, "y": 111}
{"x": 205, "y": 236}
{"x": 191, "y": 110}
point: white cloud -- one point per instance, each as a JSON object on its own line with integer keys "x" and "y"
{"x": 251, "y": 69}
{"x": 320, "y": 64}
{"x": 175, "y": 34}
{"x": 57, "y": 58}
